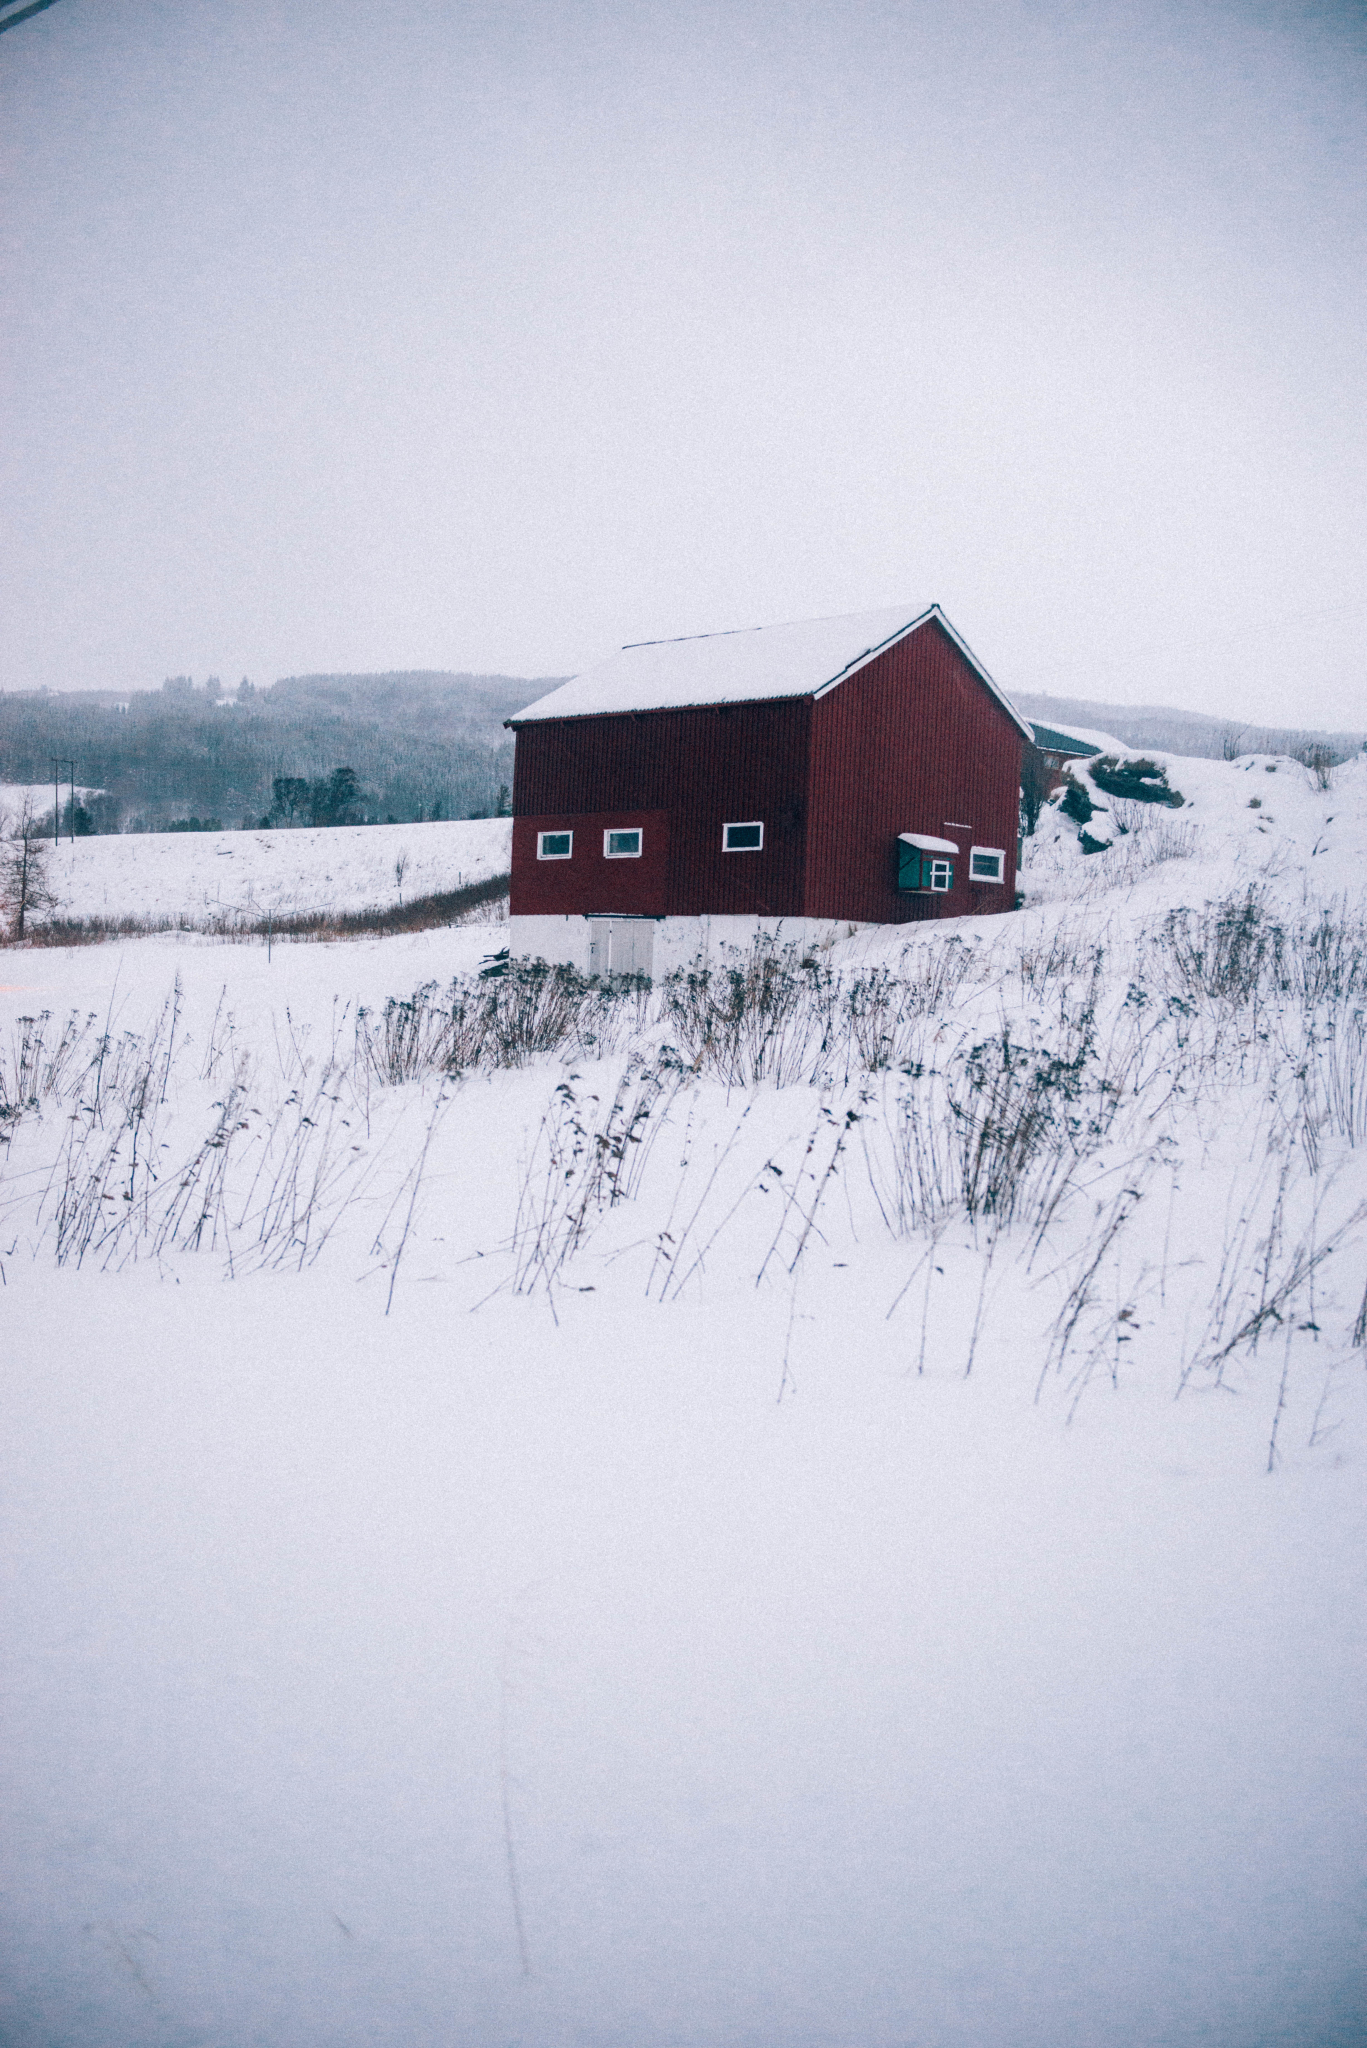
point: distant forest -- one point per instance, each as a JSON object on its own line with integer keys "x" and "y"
{"x": 1171, "y": 731}
{"x": 421, "y": 746}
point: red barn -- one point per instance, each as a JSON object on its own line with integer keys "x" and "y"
{"x": 799, "y": 778}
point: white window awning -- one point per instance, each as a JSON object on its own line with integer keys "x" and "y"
{"x": 928, "y": 843}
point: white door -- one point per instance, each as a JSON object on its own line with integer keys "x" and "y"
{"x": 622, "y": 945}
{"x": 633, "y": 945}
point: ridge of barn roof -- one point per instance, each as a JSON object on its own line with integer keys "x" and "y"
{"x": 804, "y": 658}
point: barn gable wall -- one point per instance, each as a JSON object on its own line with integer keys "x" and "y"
{"x": 913, "y": 742}
{"x": 704, "y": 768}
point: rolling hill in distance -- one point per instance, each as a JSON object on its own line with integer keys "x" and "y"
{"x": 424, "y": 744}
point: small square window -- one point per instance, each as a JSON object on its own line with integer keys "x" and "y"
{"x": 554, "y": 845}
{"x": 923, "y": 873}
{"x": 986, "y": 864}
{"x": 624, "y": 845}
{"x": 742, "y": 838}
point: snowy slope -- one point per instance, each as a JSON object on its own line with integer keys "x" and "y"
{"x": 602, "y": 1547}
{"x": 208, "y": 875}
{"x": 1261, "y": 819}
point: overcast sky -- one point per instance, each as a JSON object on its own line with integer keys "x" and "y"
{"x": 347, "y": 336}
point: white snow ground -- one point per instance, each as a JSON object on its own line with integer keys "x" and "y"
{"x": 37, "y": 797}
{"x": 208, "y": 876}
{"x": 704, "y": 1626}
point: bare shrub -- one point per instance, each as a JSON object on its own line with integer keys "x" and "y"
{"x": 1082, "y": 1326}
{"x": 1067, "y": 953}
{"x": 766, "y": 1016}
{"x": 25, "y": 889}
{"x": 1266, "y": 1280}
{"x": 1324, "y": 1051}
{"x": 528, "y": 1010}
{"x": 995, "y": 1134}
{"x": 1168, "y": 841}
{"x": 1011, "y": 1104}
{"x": 265, "y": 1189}
{"x": 33, "y": 1068}
{"x": 1237, "y": 949}
{"x": 588, "y": 1157}
{"x": 1149, "y": 838}
{"x": 783, "y": 1015}
{"x": 1318, "y": 759}
{"x": 1228, "y": 949}
{"x": 1328, "y": 961}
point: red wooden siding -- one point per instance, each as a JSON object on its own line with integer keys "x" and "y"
{"x": 705, "y": 768}
{"x": 588, "y": 880}
{"x": 914, "y": 742}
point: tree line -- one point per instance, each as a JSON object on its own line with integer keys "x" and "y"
{"x": 407, "y": 747}
{"x": 339, "y": 799}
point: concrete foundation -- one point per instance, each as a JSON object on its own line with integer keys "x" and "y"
{"x": 656, "y": 946}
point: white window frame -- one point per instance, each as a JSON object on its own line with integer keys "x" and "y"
{"x": 742, "y": 825}
{"x": 941, "y": 875}
{"x": 611, "y": 852}
{"x": 541, "y": 852}
{"x": 991, "y": 853}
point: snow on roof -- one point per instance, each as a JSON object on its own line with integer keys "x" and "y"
{"x": 928, "y": 843}
{"x": 1056, "y": 741}
{"x": 1087, "y": 737}
{"x": 801, "y": 659}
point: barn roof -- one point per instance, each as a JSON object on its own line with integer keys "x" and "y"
{"x": 803, "y": 659}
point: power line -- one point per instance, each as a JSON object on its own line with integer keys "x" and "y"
{"x": 23, "y": 13}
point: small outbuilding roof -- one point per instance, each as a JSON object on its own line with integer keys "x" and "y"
{"x": 1053, "y": 740}
{"x": 803, "y": 659}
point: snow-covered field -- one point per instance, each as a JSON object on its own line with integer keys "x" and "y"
{"x": 37, "y": 799}
{"x": 818, "y": 1513}
{"x": 207, "y": 877}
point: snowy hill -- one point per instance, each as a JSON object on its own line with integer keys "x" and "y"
{"x": 818, "y": 1503}
{"x": 212, "y": 875}
{"x": 1262, "y": 818}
